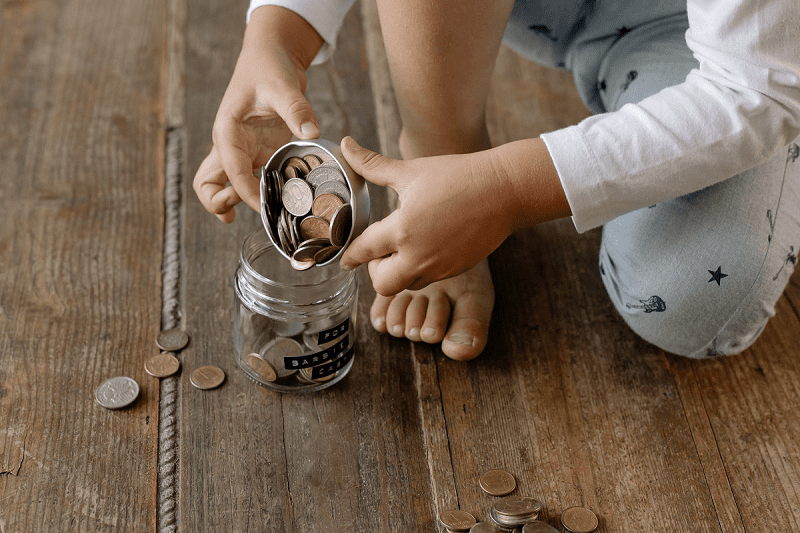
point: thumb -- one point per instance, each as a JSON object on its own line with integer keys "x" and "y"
{"x": 374, "y": 167}
{"x": 295, "y": 110}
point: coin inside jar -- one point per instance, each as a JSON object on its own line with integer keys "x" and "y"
{"x": 579, "y": 520}
{"x": 456, "y": 520}
{"x": 262, "y": 367}
{"x": 497, "y": 482}
{"x": 207, "y": 377}
{"x": 162, "y": 365}
{"x": 277, "y": 350}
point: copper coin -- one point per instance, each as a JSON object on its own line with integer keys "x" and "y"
{"x": 537, "y": 526}
{"x": 313, "y": 227}
{"x": 297, "y": 197}
{"x": 326, "y": 254}
{"x": 578, "y": 520}
{"x": 207, "y": 377}
{"x": 162, "y": 365}
{"x": 340, "y": 225}
{"x": 172, "y": 340}
{"x": 116, "y": 393}
{"x": 484, "y": 527}
{"x": 290, "y": 173}
{"x": 497, "y": 482}
{"x": 456, "y": 520}
{"x": 277, "y": 349}
{"x": 313, "y": 161}
{"x": 307, "y": 373}
{"x": 298, "y": 164}
{"x": 262, "y": 367}
{"x": 333, "y": 187}
{"x": 294, "y": 232}
{"x": 325, "y": 205}
{"x": 306, "y": 253}
{"x": 325, "y": 172}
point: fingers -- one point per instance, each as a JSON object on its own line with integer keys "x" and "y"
{"x": 374, "y": 167}
{"x": 295, "y": 110}
{"x": 210, "y": 185}
{"x": 377, "y": 241}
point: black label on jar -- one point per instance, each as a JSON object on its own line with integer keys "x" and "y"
{"x": 331, "y": 353}
{"x": 334, "y": 366}
{"x": 328, "y": 335}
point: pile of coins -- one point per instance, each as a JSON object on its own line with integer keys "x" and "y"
{"x": 121, "y": 391}
{"x": 517, "y": 514}
{"x": 306, "y": 209}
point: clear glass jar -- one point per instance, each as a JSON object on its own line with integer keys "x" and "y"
{"x": 294, "y": 331}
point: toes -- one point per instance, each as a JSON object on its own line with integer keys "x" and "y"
{"x": 396, "y": 314}
{"x": 436, "y": 319}
{"x": 415, "y": 317}
{"x": 469, "y": 328}
{"x": 378, "y": 312}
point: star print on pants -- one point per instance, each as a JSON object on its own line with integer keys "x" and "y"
{"x": 717, "y": 276}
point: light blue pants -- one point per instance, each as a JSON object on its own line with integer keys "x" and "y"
{"x": 698, "y": 275}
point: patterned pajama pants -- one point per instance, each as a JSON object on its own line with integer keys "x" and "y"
{"x": 698, "y": 275}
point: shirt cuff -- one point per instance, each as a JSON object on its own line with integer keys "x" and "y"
{"x": 581, "y": 177}
{"x": 325, "y": 17}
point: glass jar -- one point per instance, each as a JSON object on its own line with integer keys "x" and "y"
{"x": 294, "y": 331}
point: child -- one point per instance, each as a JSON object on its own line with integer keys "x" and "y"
{"x": 689, "y": 163}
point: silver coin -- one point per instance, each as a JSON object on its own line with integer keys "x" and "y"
{"x": 172, "y": 340}
{"x": 578, "y": 520}
{"x": 277, "y": 349}
{"x": 294, "y": 232}
{"x": 341, "y": 224}
{"x": 537, "y": 526}
{"x": 325, "y": 172}
{"x": 116, "y": 393}
{"x": 333, "y": 187}
{"x": 297, "y": 197}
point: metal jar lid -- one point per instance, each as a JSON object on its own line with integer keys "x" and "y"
{"x": 284, "y": 225}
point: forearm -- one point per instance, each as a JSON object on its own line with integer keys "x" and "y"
{"x": 272, "y": 26}
{"x": 529, "y": 181}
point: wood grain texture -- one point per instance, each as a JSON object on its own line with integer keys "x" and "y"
{"x": 349, "y": 458}
{"x": 80, "y": 149}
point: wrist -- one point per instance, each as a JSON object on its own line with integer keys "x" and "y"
{"x": 272, "y": 26}
{"x": 530, "y": 182}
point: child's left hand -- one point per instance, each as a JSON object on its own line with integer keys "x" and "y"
{"x": 453, "y": 212}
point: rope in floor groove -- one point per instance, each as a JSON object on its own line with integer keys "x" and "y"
{"x": 168, "y": 428}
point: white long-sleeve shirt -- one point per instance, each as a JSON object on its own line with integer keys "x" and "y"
{"x": 739, "y": 108}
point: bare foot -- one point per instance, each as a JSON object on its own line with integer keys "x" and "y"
{"x": 454, "y": 311}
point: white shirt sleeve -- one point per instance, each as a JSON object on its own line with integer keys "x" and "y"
{"x": 738, "y": 109}
{"x": 325, "y": 16}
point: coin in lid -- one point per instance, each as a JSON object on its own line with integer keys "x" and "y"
{"x": 325, "y": 205}
{"x": 323, "y": 173}
{"x": 313, "y": 227}
{"x": 578, "y": 520}
{"x": 484, "y": 527}
{"x": 117, "y": 392}
{"x": 341, "y": 224}
{"x": 334, "y": 187}
{"x": 497, "y": 482}
{"x": 326, "y": 254}
{"x": 456, "y": 520}
{"x": 207, "y": 377}
{"x": 162, "y": 365}
{"x": 312, "y": 160}
{"x": 297, "y": 197}
{"x": 537, "y": 526}
{"x": 300, "y": 164}
{"x": 261, "y": 367}
{"x": 172, "y": 340}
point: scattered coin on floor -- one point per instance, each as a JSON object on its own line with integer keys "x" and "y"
{"x": 497, "y": 482}
{"x": 207, "y": 377}
{"x": 162, "y": 365}
{"x": 578, "y": 520}
{"x": 172, "y": 340}
{"x": 456, "y": 520}
{"x": 117, "y": 392}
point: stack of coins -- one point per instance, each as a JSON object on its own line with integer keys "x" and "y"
{"x": 307, "y": 208}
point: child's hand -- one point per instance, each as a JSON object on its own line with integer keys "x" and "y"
{"x": 263, "y": 106}
{"x": 454, "y": 211}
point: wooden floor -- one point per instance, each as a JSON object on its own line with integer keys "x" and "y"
{"x": 565, "y": 397}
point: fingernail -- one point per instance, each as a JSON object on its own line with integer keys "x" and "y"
{"x": 429, "y": 332}
{"x": 461, "y": 338}
{"x": 309, "y": 129}
{"x": 351, "y": 144}
{"x": 397, "y": 330}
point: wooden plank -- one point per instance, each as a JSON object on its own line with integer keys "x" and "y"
{"x": 253, "y": 460}
{"x": 80, "y": 151}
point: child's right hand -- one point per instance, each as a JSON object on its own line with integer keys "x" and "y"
{"x": 263, "y": 106}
